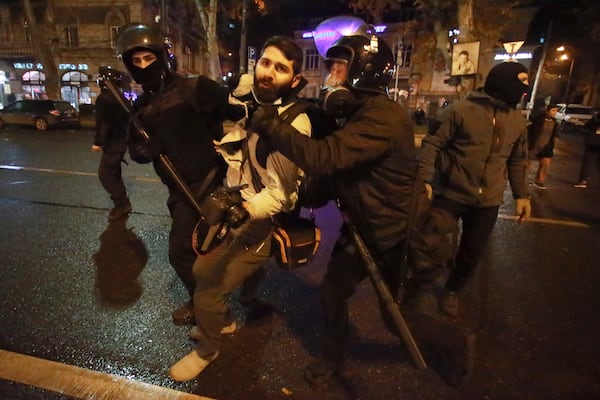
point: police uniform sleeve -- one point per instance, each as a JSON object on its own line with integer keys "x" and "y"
{"x": 280, "y": 191}
{"x": 369, "y": 134}
{"x": 212, "y": 98}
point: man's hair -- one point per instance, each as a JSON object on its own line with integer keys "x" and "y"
{"x": 464, "y": 52}
{"x": 289, "y": 48}
{"x": 551, "y": 106}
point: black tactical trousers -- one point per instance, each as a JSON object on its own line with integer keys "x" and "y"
{"x": 109, "y": 171}
{"x": 181, "y": 253}
{"x": 344, "y": 272}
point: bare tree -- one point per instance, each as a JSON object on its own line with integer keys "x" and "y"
{"x": 44, "y": 38}
{"x": 208, "y": 16}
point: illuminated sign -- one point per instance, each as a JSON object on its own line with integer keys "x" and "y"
{"x": 82, "y": 67}
{"x": 28, "y": 66}
{"x": 308, "y": 35}
{"x": 518, "y": 56}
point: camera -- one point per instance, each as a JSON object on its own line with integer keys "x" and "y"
{"x": 225, "y": 205}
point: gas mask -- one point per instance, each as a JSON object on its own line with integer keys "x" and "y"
{"x": 336, "y": 99}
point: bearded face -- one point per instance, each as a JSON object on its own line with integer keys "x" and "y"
{"x": 274, "y": 77}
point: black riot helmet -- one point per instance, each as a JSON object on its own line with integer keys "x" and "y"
{"x": 108, "y": 74}
{"x": 137, "y": 37}
{"x": 370, "y": 62}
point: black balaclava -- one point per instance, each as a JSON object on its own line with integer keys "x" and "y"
{"x": 151, "y": 78}
{"x": 503, "y": 83}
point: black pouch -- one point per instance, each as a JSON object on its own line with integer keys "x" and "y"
{"x": 295, "y": 241}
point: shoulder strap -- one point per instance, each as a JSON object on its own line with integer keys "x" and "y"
{"x": 290, "y": 114}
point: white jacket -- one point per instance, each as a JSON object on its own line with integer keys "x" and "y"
{"x": 279, "y": 178}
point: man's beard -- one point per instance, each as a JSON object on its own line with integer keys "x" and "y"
{"x": 271, "y": 92}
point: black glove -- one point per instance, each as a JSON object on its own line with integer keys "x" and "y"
{"x": 144, "y": 150}
{"x": 265, "y": 120}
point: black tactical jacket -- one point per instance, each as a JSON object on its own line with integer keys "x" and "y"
{"x": 372, "y": 162}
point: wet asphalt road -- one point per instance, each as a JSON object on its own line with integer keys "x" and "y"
{"x": 80, "y": 291}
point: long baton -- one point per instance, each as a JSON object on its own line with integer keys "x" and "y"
{"x": 163, "y": 158}
{"x": 386, "y": 296}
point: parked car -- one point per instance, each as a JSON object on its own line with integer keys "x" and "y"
{"x": 573, "y": 116}
{"x": 41, "y": 114}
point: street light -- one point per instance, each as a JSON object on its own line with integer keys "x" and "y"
{"x": 564, "y": 57}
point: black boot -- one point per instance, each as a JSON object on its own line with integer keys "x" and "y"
{"x": 320, "y": 371}
{"x": 121, "y": 208}
{"x": 184, "y": 315}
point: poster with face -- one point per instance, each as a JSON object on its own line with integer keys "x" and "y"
{"x": 465, "y": 58}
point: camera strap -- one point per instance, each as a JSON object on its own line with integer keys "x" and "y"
{"x": 256, "y": 181}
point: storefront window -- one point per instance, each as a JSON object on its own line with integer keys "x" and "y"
{"x": 75, "y": 88}
{"x": 34, "y": 85}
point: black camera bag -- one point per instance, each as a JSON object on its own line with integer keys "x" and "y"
{"x": 295, "y": 241}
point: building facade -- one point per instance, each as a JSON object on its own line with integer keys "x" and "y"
{"x": 429, "y": 81}
{"x": 83, "y": 37}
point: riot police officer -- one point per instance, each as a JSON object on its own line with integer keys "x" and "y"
{"x": 372, "y": 161}
{"x": 111, "y": 139}
{"x": 182, "y": 116}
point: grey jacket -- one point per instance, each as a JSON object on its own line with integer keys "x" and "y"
{"x": 480, "y": 142}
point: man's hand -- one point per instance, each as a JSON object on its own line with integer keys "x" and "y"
{"x": 96, "y": 148}
{"x": 523, "y": 209}
{"x": 429, "y": 191}
{"x": 144, "y": 150}
{"x": 265, "y": 120}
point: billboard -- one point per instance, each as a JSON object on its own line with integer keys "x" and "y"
{"x": 465, "y": 59}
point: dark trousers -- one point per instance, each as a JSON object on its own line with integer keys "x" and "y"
{"x": 109, "y": 171}
{"x": 477, "y": 226}
{"x": 181, "y": 253}
{"x": 590, "y": 153}
{"x": 344, "y": 272}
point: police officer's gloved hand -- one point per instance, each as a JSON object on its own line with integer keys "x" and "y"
{"x": 144, "y": 150}
{"x": 265, "y": 120}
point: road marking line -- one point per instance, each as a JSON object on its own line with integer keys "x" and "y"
{"x": 500, "y": 216}
{"x": 81, "y": 383}
{"x": 546, "y": 221}
{"x": 67, "y": 172}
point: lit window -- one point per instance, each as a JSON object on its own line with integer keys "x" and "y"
{"x": 114, "y": 33}
{"x": 311, "y": 60}
{"x": 405, "y": 54}
{"x": 72, "y": 36}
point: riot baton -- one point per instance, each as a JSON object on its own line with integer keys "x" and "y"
{"x": 163, "y": 158}
{"x": 385, "y": 295}
{"x": 167, "y": 164}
